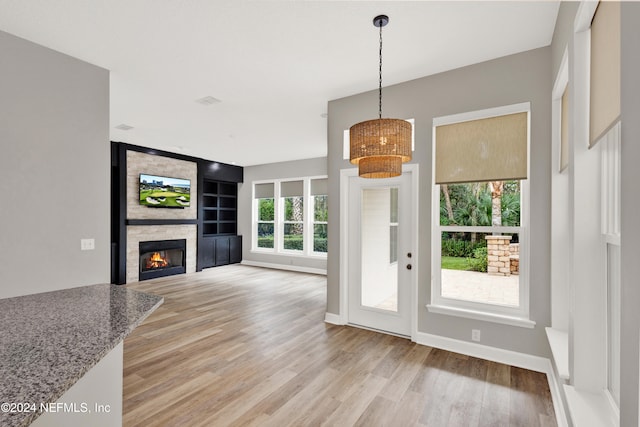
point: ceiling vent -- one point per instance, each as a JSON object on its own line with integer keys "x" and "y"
{"x": 208, "y": 100}
{"x": 124, "y": 127}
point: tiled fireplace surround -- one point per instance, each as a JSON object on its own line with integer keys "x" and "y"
{"x": 138, "y": 163}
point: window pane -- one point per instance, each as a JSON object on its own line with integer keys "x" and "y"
{"x": 393, "y": 244}
{"x": 265, "y": 209}
{"x": 393, "y": 211}
{"x": 613, "y": 321}
{"x": 265, "y": 235}
{"x": 481, "y": 268}
{"x": 320, "y": 208}
{"x": 293, "y": 209}
{"x": 480, "y": 204}
{"x": 320, "y": 238}
{"x": 293, "y": 237}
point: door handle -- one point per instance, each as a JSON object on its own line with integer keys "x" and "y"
{"x": 408, "y": 266}
{"x": 408, "y": 254}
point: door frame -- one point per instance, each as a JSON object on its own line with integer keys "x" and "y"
{"x": 345, "y": 175}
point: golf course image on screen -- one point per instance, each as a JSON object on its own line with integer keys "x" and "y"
{"x": 164, "y": 192}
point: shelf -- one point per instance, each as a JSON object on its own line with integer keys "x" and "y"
{"x": 226, "y": 188}
{"x": 210, "y": 187}
{"x": 209, "y": 228}
{"x": 227, "y": 202}
{"x": 210, "y": 215}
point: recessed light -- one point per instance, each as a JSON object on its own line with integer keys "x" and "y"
{"x": 208, "y": 100}
{"x": 124, "y": 127}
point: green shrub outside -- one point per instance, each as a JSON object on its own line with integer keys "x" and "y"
{"x": 479, "y": 260}
{"x": 460, "y": 248}
{"x": 320, "y": 245}
{"x": 265, "y": 242}
{"x": 293, "y": 243}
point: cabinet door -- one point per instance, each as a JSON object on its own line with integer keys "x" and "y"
{"x": 222, "y": 251}
{"x": 235, "y": 249}
{"x": 207, "y": 253}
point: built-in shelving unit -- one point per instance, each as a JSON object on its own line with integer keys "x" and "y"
{"x": 219, "y": 205}
{"x": 218, "y": 240}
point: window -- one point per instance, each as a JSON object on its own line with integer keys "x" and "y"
{"x": 292, "y": 199}
{"x": 610, "y": 149}
{"x": 290, "y": 217}
{"x": 320, "y": 214}
{"x": 479, "y": 201}
{"x": 393, "y": 225}
{"x": 265, "y": 215}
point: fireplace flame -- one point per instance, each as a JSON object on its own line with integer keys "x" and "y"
{"x": 157, "y": 261}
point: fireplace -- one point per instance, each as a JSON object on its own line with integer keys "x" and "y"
{"x": 162, "y": 258}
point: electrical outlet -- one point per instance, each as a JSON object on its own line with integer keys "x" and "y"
{"x": 87, "y": 244}
{"x": 475, "y": 334}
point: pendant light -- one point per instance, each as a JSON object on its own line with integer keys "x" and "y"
{"x": 380, "y": 146}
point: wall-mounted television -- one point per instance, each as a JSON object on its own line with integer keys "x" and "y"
{"x": 164, "y": 192}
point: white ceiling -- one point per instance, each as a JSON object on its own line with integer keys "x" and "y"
{"x": 274, "y": 64}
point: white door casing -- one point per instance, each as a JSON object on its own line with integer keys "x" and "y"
{"x": 357, "y": 240}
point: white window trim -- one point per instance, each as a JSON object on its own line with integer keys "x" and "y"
{"x": 516, "y": 316}
{"x": 278, "y": 229}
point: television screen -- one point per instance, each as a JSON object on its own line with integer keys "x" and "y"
{"x": 164, "y": 192}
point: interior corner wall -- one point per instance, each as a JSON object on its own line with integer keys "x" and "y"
{"x": 629, "y": 224}
{"x": 54, "y": 169}
{"x": 562, "y": 33}
{"x": 523, "y": 77}
{"x": 272, "y": 171}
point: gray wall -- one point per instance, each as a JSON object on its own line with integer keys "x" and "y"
{"x": 282, "y": 170}
{"x": 630, "y": 226}
{"x": 54, "y": 169}
{"x": 562, "y": 32}
{"x": 513, "y": 79}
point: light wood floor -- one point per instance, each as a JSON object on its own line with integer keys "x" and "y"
{"x": 242, "y": 346}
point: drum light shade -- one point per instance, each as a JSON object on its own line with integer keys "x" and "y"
{"x": 380, "y": 146}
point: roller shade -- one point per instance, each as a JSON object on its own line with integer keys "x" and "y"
{"x": 605, "y": 70}
{"x": 319, "y": 187}
{"x": 291, "y": 189}
{"x": 491, "y": 149}
{"x": 264, "y": 191}
{"x": 564, "y": 131}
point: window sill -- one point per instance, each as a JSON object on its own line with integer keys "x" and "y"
{"x": 288, "y": 254}
{"x": 590, "y": 409}
{"x": 482, "y": 315}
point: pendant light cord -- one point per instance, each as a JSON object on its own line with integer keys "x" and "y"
{"x": 380, "y": 78}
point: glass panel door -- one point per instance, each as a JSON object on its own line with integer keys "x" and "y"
{"x": 379, "y": 242}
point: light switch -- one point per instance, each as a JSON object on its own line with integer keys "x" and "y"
{"x": 87, "y": 244}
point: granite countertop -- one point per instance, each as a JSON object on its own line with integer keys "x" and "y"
{"x": 48, "y": 341}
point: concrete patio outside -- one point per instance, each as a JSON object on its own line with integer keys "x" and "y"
{"x": 480, "y": 287}
{"x": 471, "y": 286}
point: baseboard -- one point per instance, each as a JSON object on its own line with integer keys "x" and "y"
{"x": 334, "y": 319}
{"x": 287, "y": 267}
{"x": 556, "y": 397}
{"x": 507, "y": 357}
